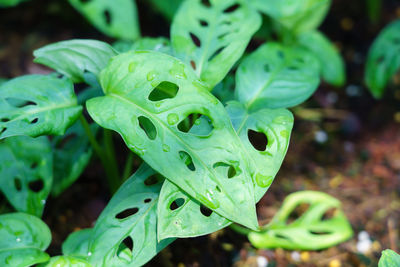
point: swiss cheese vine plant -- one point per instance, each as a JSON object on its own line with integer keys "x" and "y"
{"x": 202, "y": 169}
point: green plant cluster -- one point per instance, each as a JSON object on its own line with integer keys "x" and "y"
{"x": 202, "y": 170}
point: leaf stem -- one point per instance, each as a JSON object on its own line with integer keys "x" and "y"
{"x": 239, "y": 229}
{"x": 111, "y": 175}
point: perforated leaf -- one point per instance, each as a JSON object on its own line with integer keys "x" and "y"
{"x": 73, "y": 58}
{"x": 310, "y": 231}
{"x": 67, "y": 261}
{"x": 389, "y": 258}
{"x": 383, "y": 59}
{"x": 297, "y": 16}
{"x": 212, "y": 38}
{"x": 276, "y": 76}
{"x": 125, "y": 234}
{"x": 331, "y": 63}
{"x": 23, "y": 238}
{"x": 265, "y": 127}
{"x": 76, "y": 245}
{"x": 138, "y": 105}
{"x": 37, "y": 105}
{"x": 26, "y": 171}
{"x": 117, "y": 18}
{"x": 72, "y": 153}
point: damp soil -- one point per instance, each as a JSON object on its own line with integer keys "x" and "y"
{"x": 344, "y": 143}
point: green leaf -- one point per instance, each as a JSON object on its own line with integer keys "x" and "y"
{"x": 331, "y": 63}
{"x": 159, "y": 44}
{"x": 23, "y": 238}
{"x": 73, "y": 58}
{"x": 130, "y": 215}
{"x": 389, "y": 258}
{"x": 224, "y": 91}
{"x": 67, "y": 261}
{"x": 37, "y": 105}
{"x": 190, "y": 219}
{"x": 77, "y": 244}
{"x": 297, "y": 16}
{"x": 10, "y": 3}
{"x": 72, "y": 153}
{"x": 117, "y": 18}
{"x": 157, "y": 129}
{"x": 26, "y": 171}
{"x": 166, "y": 8}
{"x": 276, "y": 76}
{"x": 211, "y": 39}
{"x": 383, "y": 59}
{"x": 311, "y": 231}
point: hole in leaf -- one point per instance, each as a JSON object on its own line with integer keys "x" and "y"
{"x": 193, "y": 64}
{"x": 153, "y": 179}
{"x": 187, "y": 159}
{"x": 4, "y": 120}
{"x": 163, "y": 91}
{"x": 107, "y": 17}
{"x": 206, "y": 3}
{"x": 225, "y": 169}
{"x": 221, "y": 36}
{"x": 319, "y": 232}
{"x": 281, "y": 236}
{"x": 205, "y": 211}
{"x": 36, "y": 186}
{"x": 258, "y": 140}
{"x": 34, "y": 121}
{"x": 19, "y": 103}
{"x": 147, "y": 200}
{"x": 266, "y": 68}
{"x": 232, "y": 8}
{"x": 298, "y": 212}
{"x": 17, "y": 183}
{"x": 218, "y": 189}
{"x": 127, "y": 243}
{"x": 203, "y": 23}
{"x": 329, "y": 214}
{"x": 216, "y": 53}
{"x": 126, "y": 213}
{"x": 177, "y": 203}
{"x": 3, "y": 130}
{"x": 203, "y": 123}
{"x": 34, "y": 165}
{"x": 148, "y": 127}
{"x": 195, "y": 39}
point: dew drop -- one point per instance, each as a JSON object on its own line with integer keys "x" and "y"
{"x": 151, "y": 76}
{"x": 284, "y": 133}
{"x": 158, "y": 104}
{"x": 263, "y": 181}
{"x": 178, "y": 70}
{"x": 43, "y": 201}
{"x": 172, "y": 118}
{"x": 132, "y": 67}
{"x": 165, "y": 148}
{"x": 282, "y": 120}
{"x": 154, "y": 83}
{"x": 197, "y": 122}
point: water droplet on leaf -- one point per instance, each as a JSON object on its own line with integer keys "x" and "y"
{"x": 165, "y": 148}
{"x": 172, "y": 118}
{"x": 263, "y": 181}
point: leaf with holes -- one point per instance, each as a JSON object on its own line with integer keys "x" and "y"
{"x": 159, "y": 44}
{"x": 76, "y": 245}
{"x": 331, "y": 63}
{"x": 73, "y": 58}
{"x": 212, "y": 37}
{"x": 265, "y": 135}
{"x": 26, "y": 171}
{"x": 152, "y": 100}
{"x": 275, "y": 76}
{"x": 297, "y": 16}
{"x": 37, "y": 105}
{"x": 310, "y": 231}
{"x": 23, "y": 238}
{"x": 72, "y": 153}
{"x": 389, "y": 258}
{"x": 125, "y": 234}
{"x": 117, "y": 18}
{"x": 383, "y": 59}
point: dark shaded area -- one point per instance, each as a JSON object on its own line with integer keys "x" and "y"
{"x": 344, "y": 142}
